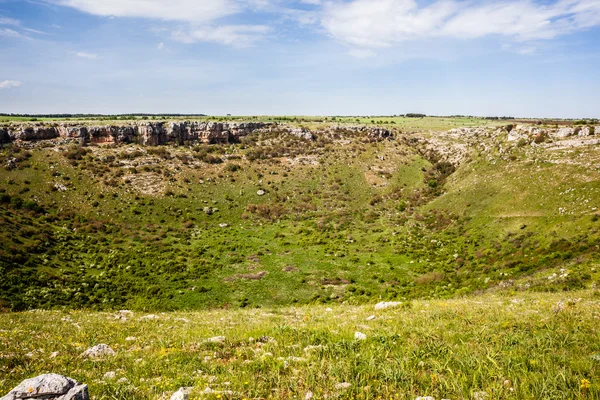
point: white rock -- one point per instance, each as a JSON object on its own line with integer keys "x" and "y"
{"x": 563, "y": 132}
{"x": 181, "y": 394}
{"x": 49, "y": 386}
{"x": 480, "y": 396}
{"x": 98, "y": 351}
{"x": 216, "y": 339}
{"x": 371, "y": 318}
{"x": 149, "y": 317}
{"x": 387, "y": 304}
{"x": 308, "y": 396}
{"x": 343, "y": 385}
{"x": 360, "y": 336}
{"x": 311, "y": 348}
{"x": 130, "y": 338}
{"x": 223, "y": 225}
{"x": 109, "y": 376}
{"x": 260, "y": 193}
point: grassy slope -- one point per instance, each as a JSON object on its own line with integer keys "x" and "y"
{"x": 510, "y": 346}
{"x": 351, "y": 221}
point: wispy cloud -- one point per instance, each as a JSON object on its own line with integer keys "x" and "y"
{"x": 201, "y": 17}
{"x": 9, "y": 84}
{"x": 234, "y": 35}
{"x": 9, "y": 21}
{"x": 11, "y": 33}
{"x": 89, "y": 56}
{"x": 16, "y": 24}
{"x": 384, "y": 23}
{"x": 173, "y": 10}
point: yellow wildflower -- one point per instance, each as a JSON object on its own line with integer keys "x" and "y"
{"x": 585, "y": 384}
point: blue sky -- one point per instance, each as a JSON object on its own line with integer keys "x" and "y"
{"x": 302, "y": 57}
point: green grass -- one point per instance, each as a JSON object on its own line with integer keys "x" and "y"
{"x": 495, "y": 261}
{"x": 404, "y": 123}
{"x": 342, "y": 221}
{"x": 510, "y": 346}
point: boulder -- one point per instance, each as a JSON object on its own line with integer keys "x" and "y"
{"x": 100, "y": 350}
{"x": 563, "y": 132}
{"x": 49, "y": 387}
{"x": 515, "y": 135}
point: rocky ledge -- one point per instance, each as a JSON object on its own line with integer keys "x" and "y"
{"x": 159, "y": 133}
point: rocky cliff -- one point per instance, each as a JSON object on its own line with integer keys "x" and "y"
{"x": 177, "y": 132}
{"x": 147, "y": 133}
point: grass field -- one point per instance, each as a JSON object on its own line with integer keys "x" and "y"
{"x": 408, "y": 124}
{"x": 510, "y": 346}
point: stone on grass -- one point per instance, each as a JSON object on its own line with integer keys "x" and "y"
{"x": 149, "y": 317}
{"x": 343, "y": 385}
{"x": 387, "y": 304}
{"x": 100, "y": 350}
{"x": 110, "y": 375}
{"x": 181, "y": 394}
{"x": 481, "y": 396}
{"x": 216, "y": 339}
{"x": 49, "y": 387}
{"x": 360, "y": 336}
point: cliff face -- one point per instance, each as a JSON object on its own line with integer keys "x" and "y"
{"x": 159, "y": 133}
{"x": 148, "y": 133}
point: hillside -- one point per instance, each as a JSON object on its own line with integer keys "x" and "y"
{"x": 285, "y": 214}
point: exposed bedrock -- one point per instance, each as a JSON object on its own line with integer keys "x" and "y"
{"x": 177, "y": 132}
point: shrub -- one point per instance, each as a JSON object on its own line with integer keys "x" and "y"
{"x": 233, "y": 167}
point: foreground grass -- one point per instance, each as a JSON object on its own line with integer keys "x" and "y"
{"x": 510, "y": 346}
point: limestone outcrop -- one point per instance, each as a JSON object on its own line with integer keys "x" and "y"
{"x": 146, "y": 133}
{"x": 176, "y": 132}
{"x": 49, "y": 387}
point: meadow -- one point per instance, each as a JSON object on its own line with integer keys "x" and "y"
{"x": 510, "y": 345}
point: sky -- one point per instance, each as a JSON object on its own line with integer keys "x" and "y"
{"x": 521, "y": 58}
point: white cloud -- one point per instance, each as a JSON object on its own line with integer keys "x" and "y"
{"x": 9, "y": 21}
{"x": 234, "y": 35}
{"x": 89, "y": 56}
{"x": 200, "y": 16}
{"x": 10, "y": 33}
{"x": 383, "y": 23}
{"x": 9, "y": 84}
{"x": 161, "y": 46}
{"x": 15, "y": 23}
{"x": 169, "y": 10}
